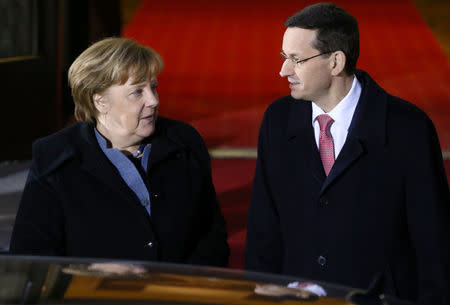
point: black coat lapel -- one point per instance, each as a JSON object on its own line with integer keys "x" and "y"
{"x": 300, "y": 136}
{"x": 352, "y": 150}
{"x": 165, "y": 142}
{"x": 316, "y": 161}
{"x": 162, "y": 148}
{"x": 94, "y": 161}
{"x": 368, "y": 127}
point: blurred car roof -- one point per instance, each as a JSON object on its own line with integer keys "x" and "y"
{"x": 61, "y": 280}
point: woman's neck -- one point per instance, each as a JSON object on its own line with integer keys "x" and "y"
{"x": 121, "y": 143}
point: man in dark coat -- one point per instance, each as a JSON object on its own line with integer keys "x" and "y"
{"x": 349, "y": 185}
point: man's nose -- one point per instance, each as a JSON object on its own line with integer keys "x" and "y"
{"x": 286, "y": 68}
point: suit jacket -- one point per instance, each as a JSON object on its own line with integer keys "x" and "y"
{"x": 76, "y": 204}
{"x": 383, "y": 209}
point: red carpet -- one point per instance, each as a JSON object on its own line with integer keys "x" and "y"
{"x": 222, "y": 63}
{"x": 222, "y": 60}
{"x": 233, "y": 180}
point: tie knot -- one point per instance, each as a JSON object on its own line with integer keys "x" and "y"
{"x": 325, "y": 122}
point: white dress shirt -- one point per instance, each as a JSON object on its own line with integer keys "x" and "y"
{"x": 342, "y": 115}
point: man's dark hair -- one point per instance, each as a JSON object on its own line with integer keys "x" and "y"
{"x": 337, "y": 30}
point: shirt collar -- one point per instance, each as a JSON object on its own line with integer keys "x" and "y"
{"x": 101, "y": 141}
{"x": 342, "y": 113}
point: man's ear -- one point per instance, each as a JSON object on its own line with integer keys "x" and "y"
{"x": 100, "y": 103}
{"x": 337, "y": 62}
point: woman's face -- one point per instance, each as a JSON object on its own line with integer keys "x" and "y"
{"x": 127, "y": 113}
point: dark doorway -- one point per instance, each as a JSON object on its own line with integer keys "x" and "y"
{"x": 28, "y": 74}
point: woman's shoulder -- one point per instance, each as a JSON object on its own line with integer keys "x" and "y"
{"x": 48, "y": 152}
{"x": 183, "y": 134}
{"x": 176, "y": 129}
{"x": 63, "y": 136}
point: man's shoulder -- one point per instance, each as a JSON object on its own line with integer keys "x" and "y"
{"x": 281, "y": 104}
{"x": 398, "y": 109}
{"x": 401, "y": 108}
{"x": 281, "y": 109}
{"x": 408, "y": 121}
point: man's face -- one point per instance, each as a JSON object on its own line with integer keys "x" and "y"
{"x": 311, "y": 79}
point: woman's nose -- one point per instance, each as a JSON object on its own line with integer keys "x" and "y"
{"x": 151, "y": 99}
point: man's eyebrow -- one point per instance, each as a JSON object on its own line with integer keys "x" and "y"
{"x": 293, "y": 54}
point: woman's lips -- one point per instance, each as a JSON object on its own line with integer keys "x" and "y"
{"x": 149, "y": 118}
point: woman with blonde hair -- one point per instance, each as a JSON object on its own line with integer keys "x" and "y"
{"x": 123, "y": 182}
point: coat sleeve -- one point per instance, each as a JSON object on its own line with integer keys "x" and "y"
{"x": 428, "y": 212}
{"x": 38, "y": 228}
{"x": 212, "y": 248}
{"x": 263, "y": 244}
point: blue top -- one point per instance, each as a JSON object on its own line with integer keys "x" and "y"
{"x": 127, "y": 169}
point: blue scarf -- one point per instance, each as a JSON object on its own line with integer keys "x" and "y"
{"x": 128, "y": 170}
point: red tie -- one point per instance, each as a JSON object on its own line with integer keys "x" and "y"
{"x": 326, "y": 146}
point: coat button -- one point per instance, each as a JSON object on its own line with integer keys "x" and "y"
{"x": 321, "y": 260}
{"x": 323, "y": 201}
{"x": 155, "y": 196}
{"x": 150, "y": 244}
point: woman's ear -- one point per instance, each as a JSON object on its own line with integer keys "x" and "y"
{"x": 337, "y": 63}
{"x": 100, "y": 103}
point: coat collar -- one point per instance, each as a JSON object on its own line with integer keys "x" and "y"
{"x": 299, "y": 121}
{"x": 300, "y": 134}
{"x": 164, "y": 143}
{"x": 367, "y": 130}
{"x": 85, "y": 148}
{"x": 369, "y": 121}
{"x": 94, "y": 161}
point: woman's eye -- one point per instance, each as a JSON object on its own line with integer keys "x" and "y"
{"x": 138, "y": 92}
{"x": 154, "y": 87}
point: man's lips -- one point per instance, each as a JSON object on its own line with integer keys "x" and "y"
{"x": 293, "y": 83}
{"x": 293, "y": 80}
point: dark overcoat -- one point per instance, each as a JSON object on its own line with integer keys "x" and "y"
{"x": 76, "y": 204}
{"x": 383, "y": 211}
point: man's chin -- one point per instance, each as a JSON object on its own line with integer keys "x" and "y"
{"x": 295, "y": 95}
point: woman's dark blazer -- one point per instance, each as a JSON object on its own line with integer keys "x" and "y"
{"x": 76, "y": 204}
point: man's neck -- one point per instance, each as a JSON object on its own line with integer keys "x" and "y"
{"x": 339, "y": 88}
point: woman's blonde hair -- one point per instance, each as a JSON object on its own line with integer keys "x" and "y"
{"x": 109, "y": 62}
